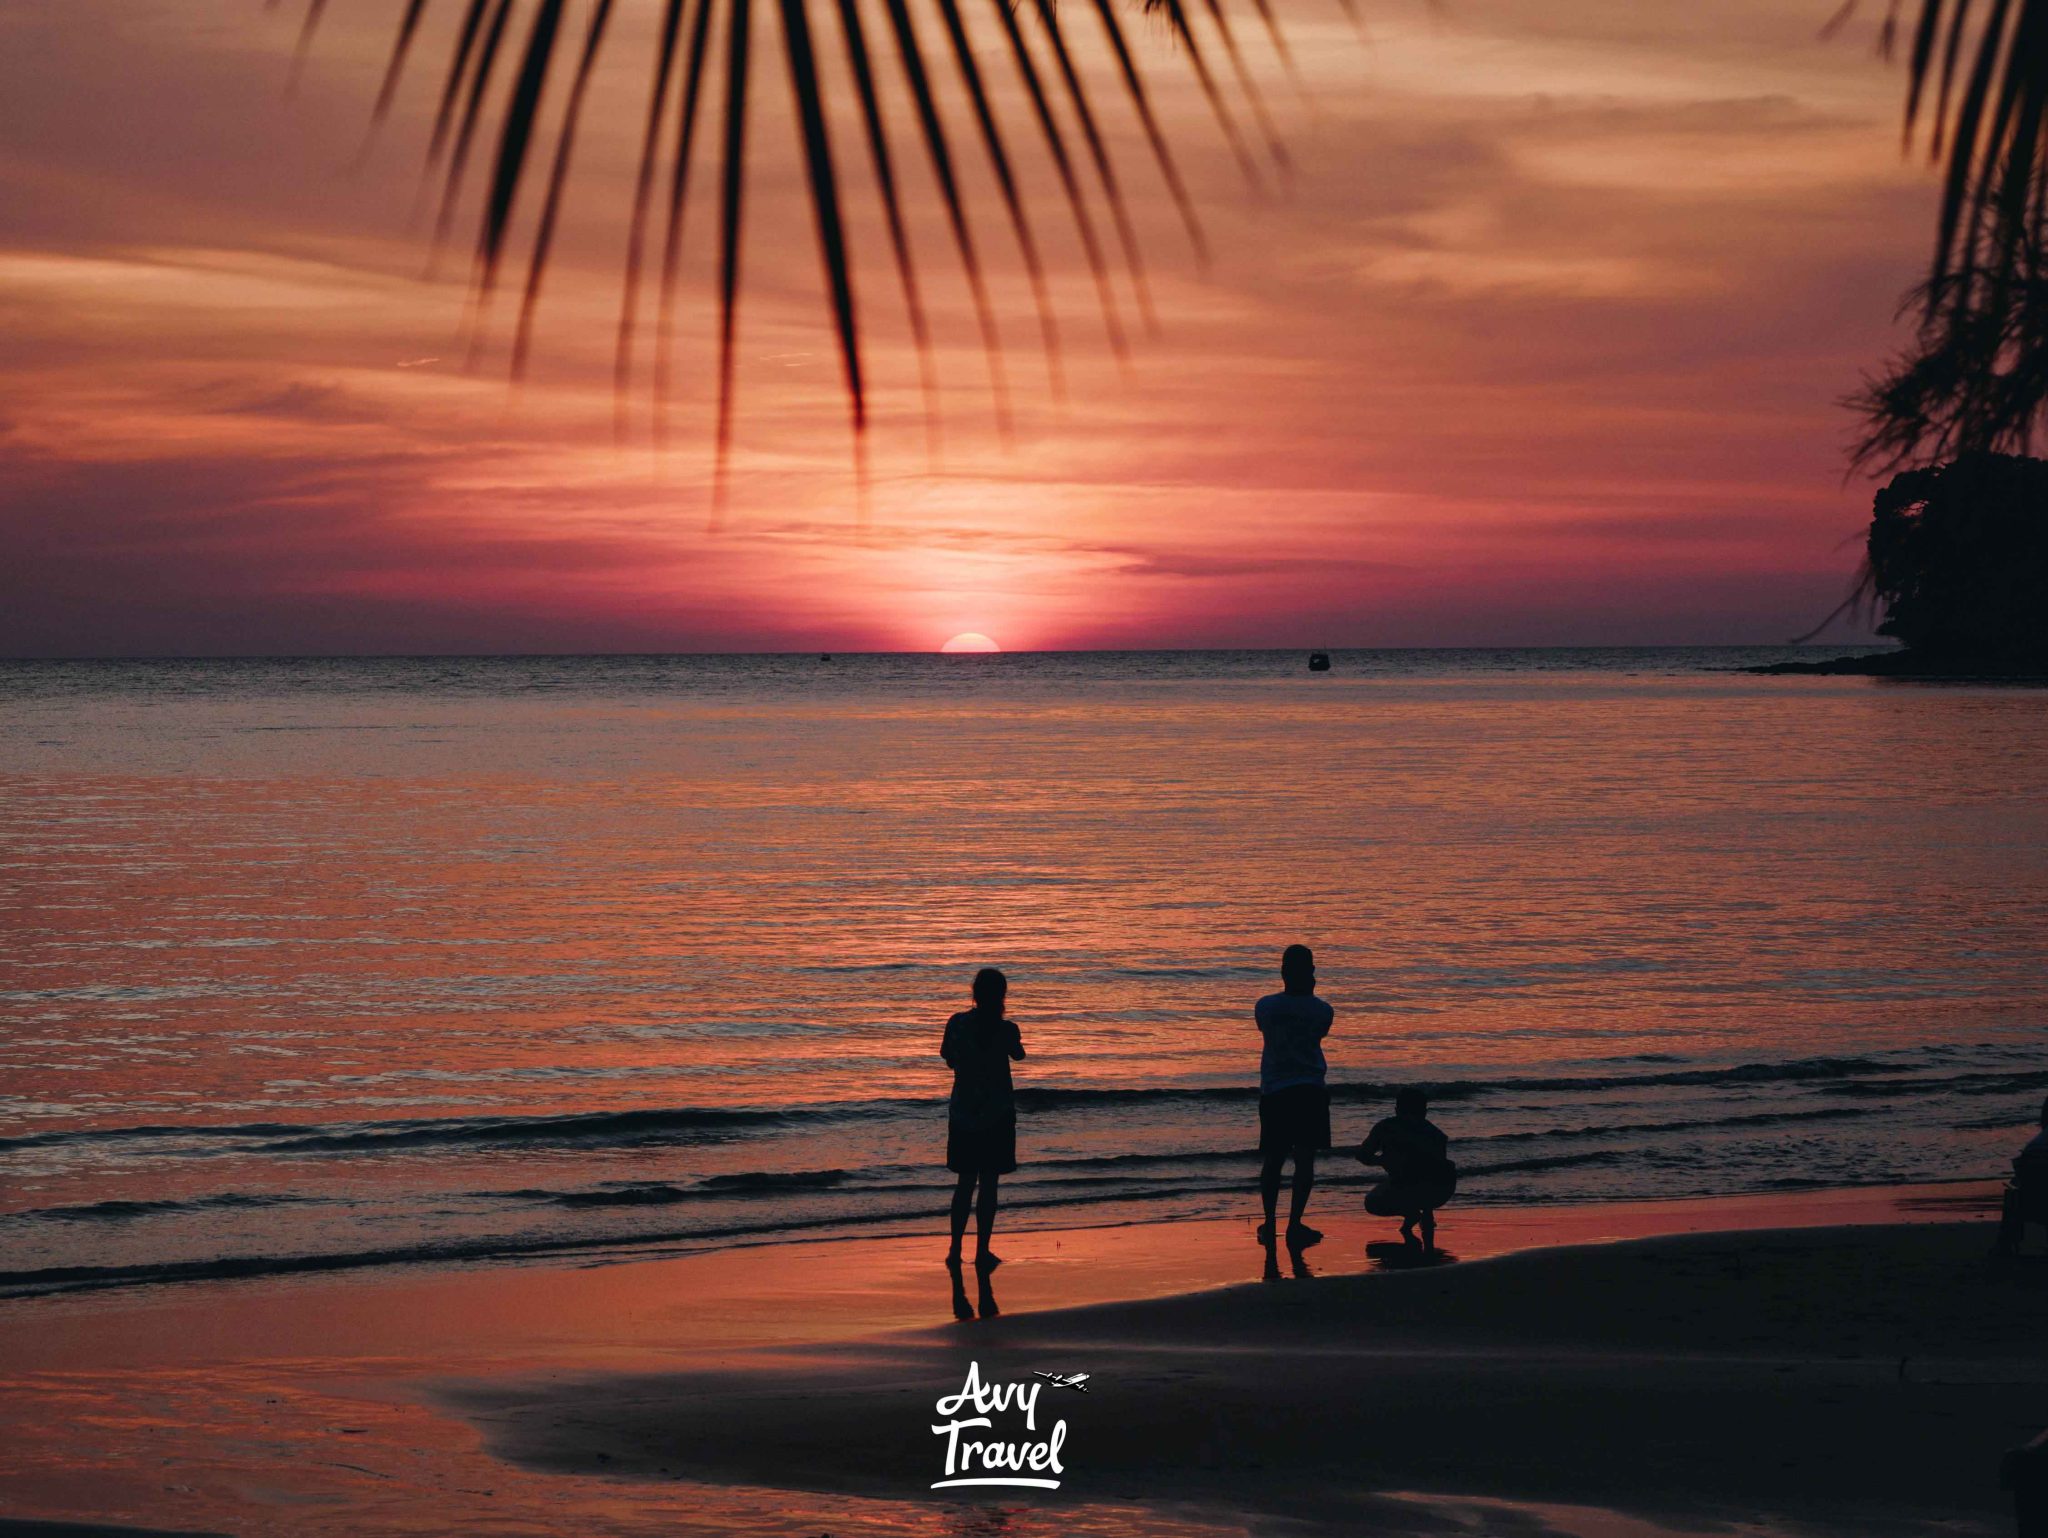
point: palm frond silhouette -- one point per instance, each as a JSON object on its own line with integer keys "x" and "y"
{"x": 503, "y": 54}
{"x": 1976, "y": 374}
{"x": 1975, "y": 377}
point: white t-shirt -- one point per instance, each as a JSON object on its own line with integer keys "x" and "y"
{"x": 1294, "y": 1025}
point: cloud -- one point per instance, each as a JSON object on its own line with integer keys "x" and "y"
{"x": 1546, "y": 333}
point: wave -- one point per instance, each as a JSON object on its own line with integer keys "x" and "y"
{"x": 676, "y": 1124}
{"x": 648, "y": 1194}
{"x": 1689, "y": 1124}
{"x": 618, "y": 1128}
{"x": 1981, "y": 1083}
{"x": 1868, "y": 1077}
{"x": 1845, "y": 1070}
{"x": 118, "y": 1211}
{"x": 899, "y": 1210}
{"x": 149, "y": 1131}
{"x": 514, "y": 1247}
{"x": 775, "y": 1180}
{"x": 54, "y": 1279}
{"x": 660, "y": 1193}
{"x": 1143, "y": 1174}
{"x": 1467, "y": 1171}
{"x": 1140, "y": 1171}
{"x": 1185, "y": 973}
{"x": 912, "y": 1211}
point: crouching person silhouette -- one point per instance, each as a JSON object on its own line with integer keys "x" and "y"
{"x": 1420, "y": 1177}
{"x": 2026, "y": 1197}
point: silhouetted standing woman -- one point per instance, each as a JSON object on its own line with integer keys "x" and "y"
{"x": 981, "y": 1117}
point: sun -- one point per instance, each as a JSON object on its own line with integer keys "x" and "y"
{"x": 970, "y": 641}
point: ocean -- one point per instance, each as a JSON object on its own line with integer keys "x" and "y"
{"x": 336, "y": 963}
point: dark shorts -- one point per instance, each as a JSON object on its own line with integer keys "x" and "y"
{"x": 981, "y": 1150}
{"x": 1295, "y": 1117}
{"x": 1411, "y": 1198}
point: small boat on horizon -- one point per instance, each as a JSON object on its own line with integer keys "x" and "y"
{"x": 1319, "y": 662}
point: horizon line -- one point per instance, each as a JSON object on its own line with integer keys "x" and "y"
{"x": 1879, "y": 643}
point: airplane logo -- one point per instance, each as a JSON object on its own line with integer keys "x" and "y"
{"x": 1077, "y": 1381}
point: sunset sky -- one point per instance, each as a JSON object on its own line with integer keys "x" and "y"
{"x": 1542, "y": 344}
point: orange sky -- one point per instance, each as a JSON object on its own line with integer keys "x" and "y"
{"x": 1542, "y": 345}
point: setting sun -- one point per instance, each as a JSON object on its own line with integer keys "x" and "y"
{"x": 970, "y": 641}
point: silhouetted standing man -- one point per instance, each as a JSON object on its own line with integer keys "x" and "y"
{"x": 1294, "y": 1097}
{"x": 981, "y": 1116}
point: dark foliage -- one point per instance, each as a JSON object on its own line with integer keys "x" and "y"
{"x": 1976, "y": 375}
{"x": 1958, "y": 561}
{"x": 1975, "y": 378}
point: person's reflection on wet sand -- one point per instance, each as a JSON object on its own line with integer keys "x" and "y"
{"x": 1393, "y": 1255}
{"x": 963, "y": 1307}
{"x": 1297, "y": 1263}
{"x": 984, "y": 1301}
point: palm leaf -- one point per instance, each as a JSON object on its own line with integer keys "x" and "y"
{"x": 1977, "y": 89}
{"x": 937, "y": 147}
{"x": 1951, "y": 57}
{"x": 408, "y": 29}
{"x": 855, "y": 36}
{"x": 1105, "y": 170}
{"x": 1278, "y": 39}
{"x": 558, "y": 178}
{"x": 478, "y": 91}
{"x": 1006, "y": 181}
{"x": 1976, "y": 374}
{"x": 1249, "y": 87}
{"x": 1134, "y": 83}
{"x": 643, "y": 199}
{"x": 1924, "y": 36}
{"x": 732, "y": 206}
{"x": 315, "y": 10}
{"x": 515, "y": 138}
{"x": 1967, "y": 124}
{"x": 1056, "y": 146}
{"x": 479, "y": 80}
{"x": 810, "y": 107}
{"x": 458, "y": 72}
{"x": 678, "y": 207}
{"x": 1177, "y": 17}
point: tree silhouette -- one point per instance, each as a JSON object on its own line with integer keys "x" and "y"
{"x": 1958, "y": 562}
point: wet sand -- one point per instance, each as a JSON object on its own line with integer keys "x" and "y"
{"x": 1751, "y": 1368}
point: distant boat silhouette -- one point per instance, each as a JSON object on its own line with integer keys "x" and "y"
{"x": 1319, "y": 662}
{"x": 824, "y": 656}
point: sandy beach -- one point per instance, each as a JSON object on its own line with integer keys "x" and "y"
{"x": 1837, "y": 1362}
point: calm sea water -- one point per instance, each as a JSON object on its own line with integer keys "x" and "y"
{"x": 364, "y": 962}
